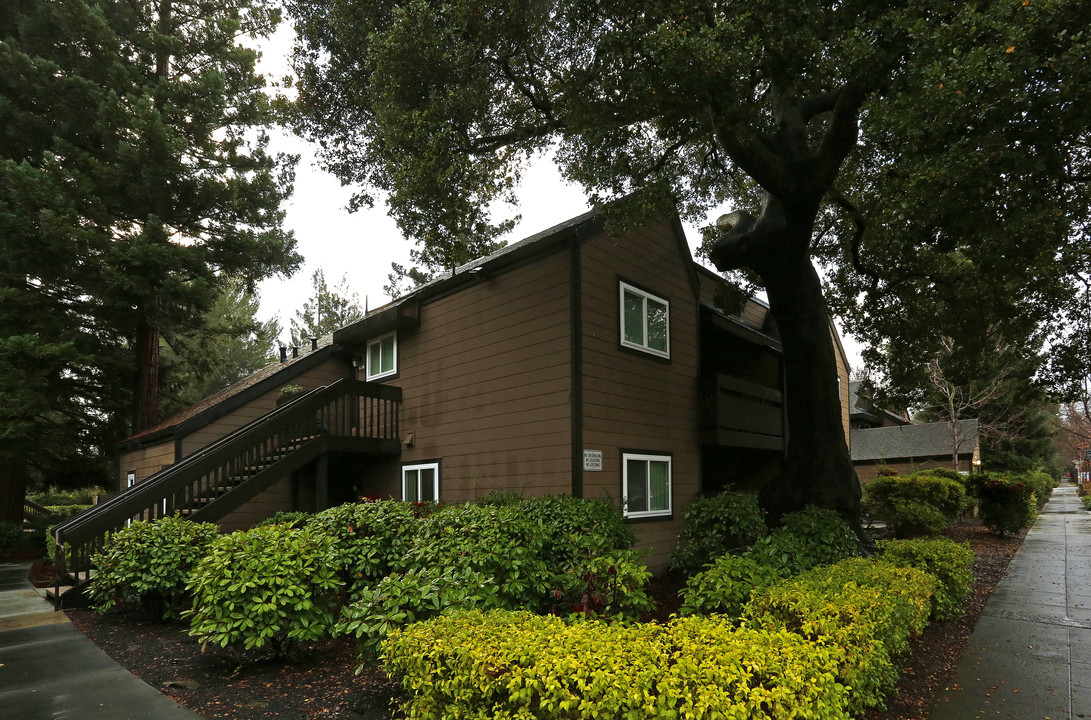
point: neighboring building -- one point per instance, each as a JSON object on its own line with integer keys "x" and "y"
{"x": 909, "y": 448}
{"x": 574, "y": 361}
{"x": 864, "y": 413}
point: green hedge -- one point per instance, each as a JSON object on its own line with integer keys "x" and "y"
{"x": 370, "y": 539}
{"x": 920, "y": 504}
{"x": 518, "y": 665}
{"x": 951, "y": 563}
{"x": 869, "y": 609}
{"x": 271, "y": 585}
{"x": 576, "y": 529}
{"x": 1006, "y": 502}
{"x": 806, "y": 539}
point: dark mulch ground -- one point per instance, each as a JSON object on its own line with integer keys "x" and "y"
{"x": 319, "y": 681}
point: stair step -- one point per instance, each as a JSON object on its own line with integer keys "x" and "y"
{"x": 69, "y": 597}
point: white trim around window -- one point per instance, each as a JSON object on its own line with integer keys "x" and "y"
{"x": 646, "y": 485}
{"x": 382, "y": 356}
{"x": 420, "y": 482}
{"x": 645, "y": 320}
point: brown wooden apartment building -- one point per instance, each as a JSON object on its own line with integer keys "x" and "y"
{"x": 576, "y": 361}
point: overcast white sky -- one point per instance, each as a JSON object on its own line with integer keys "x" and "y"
{"x": 362, "y": 245}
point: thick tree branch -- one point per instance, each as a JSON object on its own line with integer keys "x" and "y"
{"x": 755, "y": 158}
{"x": 857, "y": 236}
{"x": 841, "y": 133}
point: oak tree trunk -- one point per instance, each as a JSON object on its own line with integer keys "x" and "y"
{"x": 817, "y": 468}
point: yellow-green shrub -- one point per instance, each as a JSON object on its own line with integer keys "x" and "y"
{"x": 517, "y": 665}
{"x": 950, "y": 562}
{"x": 868, "y": 608}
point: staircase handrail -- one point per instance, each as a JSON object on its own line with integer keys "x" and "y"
{"x": 138, "y": 497}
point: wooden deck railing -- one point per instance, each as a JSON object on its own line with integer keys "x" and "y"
{"x": 34, "y": 511}
{"x": 211, "y": 482}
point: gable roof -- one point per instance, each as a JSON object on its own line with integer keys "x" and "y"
{"x": 912, "y": 441}
{"x": 401, "y": 312}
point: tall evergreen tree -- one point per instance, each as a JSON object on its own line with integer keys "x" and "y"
{"x": 230, "y": 344}
{"x": 328, "y": 309}
{"x": 133, "y": 179}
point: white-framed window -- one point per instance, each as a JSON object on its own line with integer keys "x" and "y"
{"x": 646, "y": 484}
{"x": 420, "y": 483}
{"x": 382, "y": 356}
{"x": 645, "y": 321}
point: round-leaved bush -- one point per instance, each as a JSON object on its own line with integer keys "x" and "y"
{"x": 149, "y": 563}
{"x": 269, "y": 585}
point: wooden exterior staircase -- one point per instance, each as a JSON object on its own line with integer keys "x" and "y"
{"x": 345, "y": 416}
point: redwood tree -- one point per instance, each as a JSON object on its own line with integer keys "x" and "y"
{"x": 134, "y": 179}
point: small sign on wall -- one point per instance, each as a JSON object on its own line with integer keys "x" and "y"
{"x": 592, "y": 460}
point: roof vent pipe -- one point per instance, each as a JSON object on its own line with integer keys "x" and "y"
{"x": 314, "y": 344}
{"x": 295, "y": 351}
{"x": 283, "y": 353}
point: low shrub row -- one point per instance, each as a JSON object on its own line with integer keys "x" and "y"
{"x": 362, "y": 569}
{"x": 925, "y": 502}
{"x": 503, "y": 664}
{"x": 868, "y": 609}
{"x": 805, "y": 540}
{"x": 820, "y": 645}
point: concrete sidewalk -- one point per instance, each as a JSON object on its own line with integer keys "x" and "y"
{"x": 1029, "y": 656}
{"x": 49, "y": 669}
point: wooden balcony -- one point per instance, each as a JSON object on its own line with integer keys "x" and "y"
{"x": 739, "y": 413}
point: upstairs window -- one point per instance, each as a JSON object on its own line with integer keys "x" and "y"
{"x": 645, "y": 321}
{"x": 646, "y": 485}
{"x": 382, "y": 356}
{"x": 420, "y": 483}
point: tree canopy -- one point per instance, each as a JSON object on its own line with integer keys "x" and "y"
{"x": 327, "y": 309}
{"x": 134, "y": 180}
{"x": 922, "y": 152}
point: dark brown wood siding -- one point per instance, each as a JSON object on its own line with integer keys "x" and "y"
{"x": 632, "y": 401}
{"x": 485, "y": 381}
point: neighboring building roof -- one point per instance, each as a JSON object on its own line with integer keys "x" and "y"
{"x": 912, "y": 441}
{"x": 862, "y": 406}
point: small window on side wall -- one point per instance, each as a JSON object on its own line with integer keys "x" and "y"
{"x": 645, "y": 321}
{"x": 420, "y": 483}
{"x": 382, "y": 356}
{"x": 646, "y": 485}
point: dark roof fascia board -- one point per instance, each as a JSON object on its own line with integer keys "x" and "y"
{"x": 227, "y": 405}
{"x": 739, "y": 328}
{"x": 403, "y": 313}
{"x": 685, "y": 252}
{"x": 526, "y": 250}
{"x": 254, "y": 391}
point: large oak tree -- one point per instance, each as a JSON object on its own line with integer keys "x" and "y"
{"x": 884, "y": 140}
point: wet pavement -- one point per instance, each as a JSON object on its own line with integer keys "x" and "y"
{"x": 1029, "y": 657}
{"x": 50, "y": 670}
